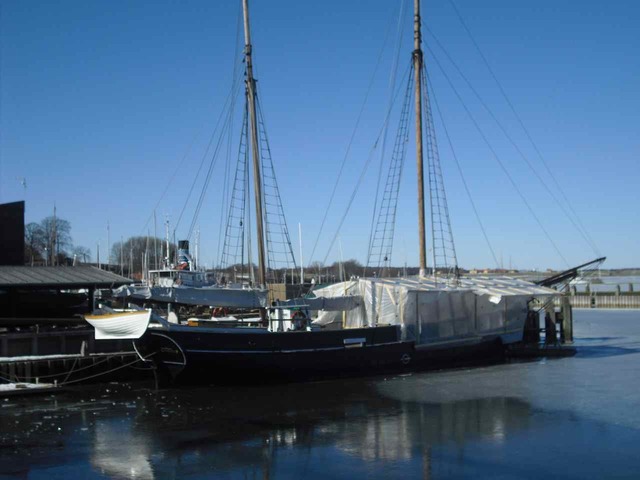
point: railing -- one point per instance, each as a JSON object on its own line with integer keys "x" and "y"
{"x": 603, "y": 301}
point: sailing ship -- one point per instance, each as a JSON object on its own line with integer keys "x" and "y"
{"x": 447, "y": 316}
{"x": 184, "y": 284}
{"x": 280, "y": 347}
{"x": 367, "y": 325}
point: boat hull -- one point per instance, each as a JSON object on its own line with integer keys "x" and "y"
{"x": 207, "y": 357}
{"x": 120, "y": 325}
{"x": 250, "y": 355}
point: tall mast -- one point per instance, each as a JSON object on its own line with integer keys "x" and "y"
{"x": 255, "y": 148}
{"x": 417, "y": 68}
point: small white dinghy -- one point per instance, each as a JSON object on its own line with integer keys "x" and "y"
{"x": 115, "y": 325}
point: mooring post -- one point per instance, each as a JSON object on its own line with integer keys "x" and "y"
{"x": 567, "y": 323}
{"x": 532, "y": 328}
{"x": 550, "y": 324}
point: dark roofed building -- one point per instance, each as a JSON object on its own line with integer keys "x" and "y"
{"x": 83, "y": 276}
{"x": 51, "y": 292}
{"x": 12, "y": 233}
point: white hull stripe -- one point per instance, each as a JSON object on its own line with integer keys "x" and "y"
{"x": 310, "y": 350}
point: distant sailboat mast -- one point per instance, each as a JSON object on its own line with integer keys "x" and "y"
{"x": 255, "y": 147}
{"x": 417, "y": 69}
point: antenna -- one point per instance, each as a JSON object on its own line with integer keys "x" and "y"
{"x": 301, "y": 262}
{"x": 23, "y": 182}
{"x": 167, "y": 256}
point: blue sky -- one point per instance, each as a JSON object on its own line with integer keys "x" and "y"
{"x": 100, "y": 102}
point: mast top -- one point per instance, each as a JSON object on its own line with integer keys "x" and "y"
{"x": 417, "y": 32}
{"x": 247, "y": 31}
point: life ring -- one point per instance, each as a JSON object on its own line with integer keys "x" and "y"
{"x": 298, "y": 320}
{"x": 220, "y": 312}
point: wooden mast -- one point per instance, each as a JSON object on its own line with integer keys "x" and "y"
{"x": 255, "y": 148}
{"x": 417, "y": 68}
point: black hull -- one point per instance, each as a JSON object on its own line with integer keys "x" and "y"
{"x": 203, "y": 356}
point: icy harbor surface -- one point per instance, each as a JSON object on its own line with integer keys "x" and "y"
{"x": 571, "y": 418}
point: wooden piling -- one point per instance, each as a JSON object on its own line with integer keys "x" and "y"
{"x": 532, "y": 328}
{"x": 550, "y": 325}
{"x": 567, "y": 320}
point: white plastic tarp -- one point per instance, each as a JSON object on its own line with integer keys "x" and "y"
{"x": 432, "y": 311}
{"x": 212, "y": 296}
{"x": 335, "y": 304}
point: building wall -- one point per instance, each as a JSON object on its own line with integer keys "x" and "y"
{"x": 12, "y": 233}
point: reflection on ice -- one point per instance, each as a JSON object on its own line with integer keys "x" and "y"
{"x": 497, "y": 421}
{"x": 417, "y": 425}
{"x": 119, "y": 452}
{"x": 359, "y": 424}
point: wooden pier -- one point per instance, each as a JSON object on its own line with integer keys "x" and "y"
{"x": 70, "y": 369}
{"x": 62, "y": 356}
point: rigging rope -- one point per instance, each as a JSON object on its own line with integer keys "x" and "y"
{"x": 275, "y": 220}
{"x": 120, "y": 367}
{"x": 464, "y": 180}
{"x": 392, "y": 86}
{"x": 362, "y": 174}
{"x": 382, "y": 232}
{"x": 441, "y": 231}
{"x": 227, "y": 165}
{"x": 171, "y": 180}
{"x": 351, "y": 139}
{"x": 208, "y": 176}
{"x": 560, "y": 204}
{"x": 74, "y": 370}
{"x": 106, "y": 359}
{"x": 497, "y": 158}
{"x": 197, "y": 176}
{"x": 524, "y": 128}
{"x": 238, "y": 217}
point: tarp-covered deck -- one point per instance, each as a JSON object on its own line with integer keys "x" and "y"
{"x": 434, "y": 311}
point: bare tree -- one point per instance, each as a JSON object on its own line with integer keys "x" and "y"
{"x": 82, "y": 254}
{"x": 57, "y": 237}
{"x": 129, "y": 253}
{"x": 34, "y": 243}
